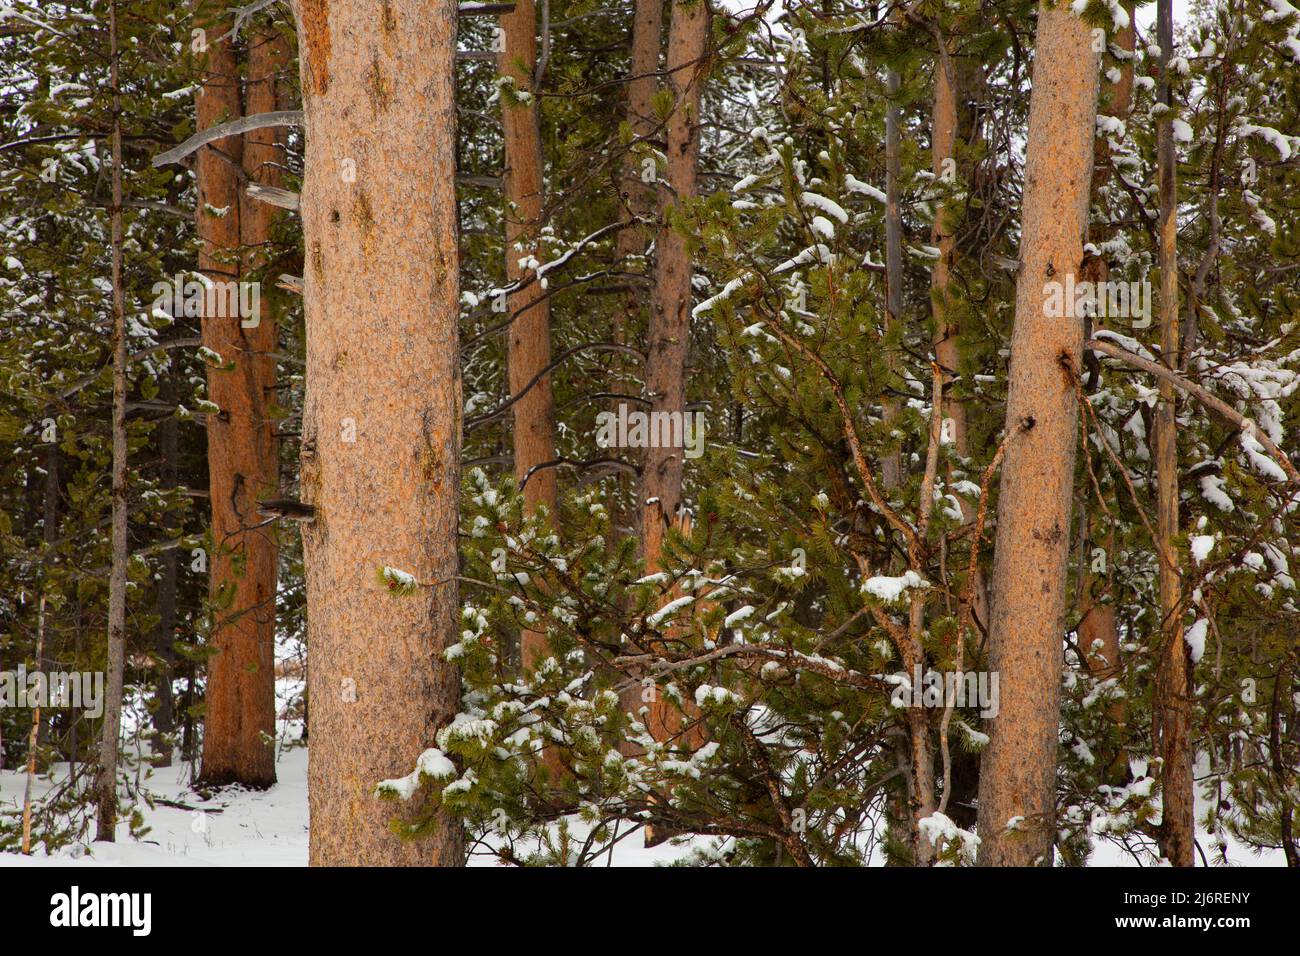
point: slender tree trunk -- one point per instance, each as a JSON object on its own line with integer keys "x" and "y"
{"x": 1018, "y": 769}
{"x": 50, "y": 535}
{"x": 31, "y": 738}
{"x": 530, "y": 328}
{"x": 382, "y": 423}
{"x": 958, "y": 81}
{"x": 1172, "y": 704}
{"x": 670, "y": 309}
{"x": 637, "y": 202}
{"x": 164, "y": 641}
{"x": 660, "y": 491}
{"x": 638, "y": 197}
{"x": 920, "y": 771}
{"x": 1098, "y": 625}
{"x": 1116, "y": 97}
{"x": 239, "y": 713}
{"x": 891, "y": 468}
{"x": 106, "y": 784}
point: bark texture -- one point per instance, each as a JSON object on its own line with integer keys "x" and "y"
{"x": 958, "y": 82}
{"x": 637, "y": 200}
{"x": 660, "y": 492}
{"x": 106, "y": 781}
{"x": 1172, "y": 704}
{"x": 382, "y": 422}
{"x": 638, "y": 196}
{"x": 1018, "y": 769}
{"x": 891, "y": 468}
{"x": 670, "y": 309}
{"x": 239, "y": 712}
{"x": 164, "y": 637}
{"x": 530, "y": 311}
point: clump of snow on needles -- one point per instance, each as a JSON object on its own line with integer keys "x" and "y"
{"x": 890, "y": 589}
{"x": 433, "y": 763}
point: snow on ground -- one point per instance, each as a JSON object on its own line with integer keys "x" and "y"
{"x": 235, "y": 828}
{"x": 269, "y": 828}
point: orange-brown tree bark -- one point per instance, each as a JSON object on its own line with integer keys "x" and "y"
{"x": 958, "y": 86}
{"x": 529, "y": 308}
{"x": 1018, "y": 769}
{"x": 239, "y": 711}
{"x": 380, "y": 456}
{"x": 660, "y": 489}
{"x": 670, "y": 308}
{"x": 637, "y": 196}
{"x": 1098, "y": 632}
{"x": 958, "y": 81}
{"x": 891, "y": 468}
{"x": 637, "y": 202}
{"x": 1173, "y": 692}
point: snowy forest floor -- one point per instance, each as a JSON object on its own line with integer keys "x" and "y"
{"x": 237, "y": 827}
{"x": 269, "y": 828}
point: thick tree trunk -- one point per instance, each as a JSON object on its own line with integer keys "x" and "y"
{"x": 1172, "y": 703}
{"x": 239, "y": 713}
{"x": 1018, "y": 770}
{"x": 106, "y": 783}
{"x": 530, "y": 328}
{"x": 382, "y": 422}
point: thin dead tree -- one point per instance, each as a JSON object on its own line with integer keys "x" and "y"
{"x": 106, "y": 782}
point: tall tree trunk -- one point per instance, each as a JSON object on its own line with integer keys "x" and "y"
{"x": 957, "y": 80}
{"x": 106, "y": 783}
{"x": 382, "y": 421}
{"x": 1172, "y": 704}
{"x": 638, "y": 196}
{"x": 164, "y": 640}
{"x": 33, "y": 734}
{"x": 891, "y": 468}
{"x": 239, "y": 713}
{"x": 660, "y": 492}
{"x": 50, "y": 535}
{"x": 530, "y": 328}
{"x": 1098, "y": 624}
{"x": 1116, "y": 96}
{"x": 920, "y": 773}
{"x": 958, "y": 83}
{"x": 1018, "y": 769}
{"x": 637, "y": 202}
{"x": 670, "y": 308}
